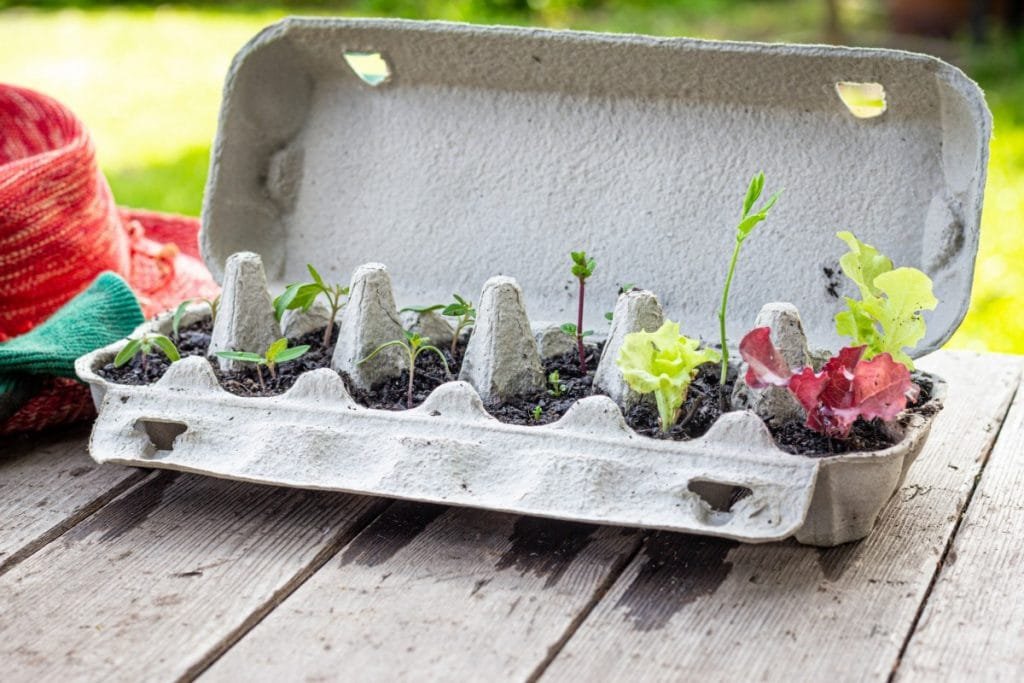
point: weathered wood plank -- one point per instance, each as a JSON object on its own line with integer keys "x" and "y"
{"x": 433, "y": 593}
{"x": 972, "y": 627}
{"x": 688, "y": 608}
{"x": 161, "y": 580}
{"x": 48, "y": 483}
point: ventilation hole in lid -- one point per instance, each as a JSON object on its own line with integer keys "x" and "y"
{"x": 864, "y": 100}
{"x": 371, "y": 67}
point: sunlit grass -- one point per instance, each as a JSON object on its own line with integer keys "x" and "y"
{"x": 147, "y": 83}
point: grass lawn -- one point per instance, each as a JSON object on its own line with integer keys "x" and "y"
{"x": 147, "y": 83}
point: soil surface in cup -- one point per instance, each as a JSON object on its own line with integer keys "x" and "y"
{"x": 698, "y": 413}
{"x": 194, "y": 340}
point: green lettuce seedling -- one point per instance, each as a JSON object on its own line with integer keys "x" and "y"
{"x": 179, "y": 312}
{"x": 537, "y": 412}
{"x": 663, "y": 363}
{"x": 277, "y": 353}
{"x": 146, "y": 345}
{"x": 413, "y": 345}
{"x": 887, "y": 319}
{"x": 748, "y": 221}
{"x": 301, "y": 295}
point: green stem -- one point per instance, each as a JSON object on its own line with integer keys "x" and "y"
{"x": 412, "y": 374}
{"x": 455, "y": 337}
{"x": 721, "y": 324}
{"x": 665, "y": 411}
{"x": 330, "y": 322}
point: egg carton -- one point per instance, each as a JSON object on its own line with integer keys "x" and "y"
{"x": 455, "y": 153}
{"x": 588, "y": 466}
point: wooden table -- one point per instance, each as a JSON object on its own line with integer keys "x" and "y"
{"x": 110, "y": 573}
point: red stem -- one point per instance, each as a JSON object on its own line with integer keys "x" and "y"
{"x": 579, "y": 331}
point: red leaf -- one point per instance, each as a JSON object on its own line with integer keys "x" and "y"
{"x": 881, "y": 388}
{"x": 807, "y": 387}
{"x": 765, "y": 365}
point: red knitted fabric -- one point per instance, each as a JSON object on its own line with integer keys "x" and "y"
{"x": 60, "y": 228}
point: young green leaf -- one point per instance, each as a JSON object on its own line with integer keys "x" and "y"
{"x": 275, "y": 349}
{"x": 316, "y": 276}
{"x": 753, "y": 192}
{"x": 423, "y": 309}
{"x": 863, "y": 263}
{"x": 167, "y": 346}
{"x": 301, "y": 295}
{"x": 663, "y": 363}
{"x": 179, "y": 313}
{"x": 244, "y": 356}
{"x": 887, "y": 319}
{"x": 292, "y": 353}
{"x": 127, "y": 353}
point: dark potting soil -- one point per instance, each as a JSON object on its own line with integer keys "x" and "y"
{"x": 700, "y": 411}
{"x": 796, "y": 438}
{"x": 194, "y": 340}
{"x": 520, "y": 410}
{"x": 430, "y": 374}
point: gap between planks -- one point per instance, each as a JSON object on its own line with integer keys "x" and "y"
{"x": 940, "y": 566}
{"x": 971, "y": 627}
{"x": 49, "y": 484}
{"x": 164, "y": 577}
{"x": 433, "y": 593}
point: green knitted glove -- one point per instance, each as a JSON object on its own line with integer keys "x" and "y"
{"x": 105, "y": 312}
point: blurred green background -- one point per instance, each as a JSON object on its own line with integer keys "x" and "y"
{"x": 146, "y": 80}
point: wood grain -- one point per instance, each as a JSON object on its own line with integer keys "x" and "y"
{"x": 690, "y": 608}
{"x": 972, "y": 627}
{"x": 433, "y": 593}
{"x": 161, "y": 580}
{"x": 48, "y": 483}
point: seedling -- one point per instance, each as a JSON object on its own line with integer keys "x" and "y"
{"x": 277, "y": 353}
{"x": 887, "y": 319}
{"x": 179, "y": 312}
{"x": 301, "y": 295}
{"x": 536, "y": 413}
{"x": 848, "y": 387}
{"x": 465, "y": 315}
{"x": 556, "y": 388}
{"x": 582, "y": 268}
{"x": 460, "y": 309}
{"x": 414, "y": 345}
{"x": 663, "y": 363}
{"x": 748, "y": 221}
{"x": 146, "y": 345}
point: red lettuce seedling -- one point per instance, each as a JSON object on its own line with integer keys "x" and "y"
{"x": 848, "y": 387}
